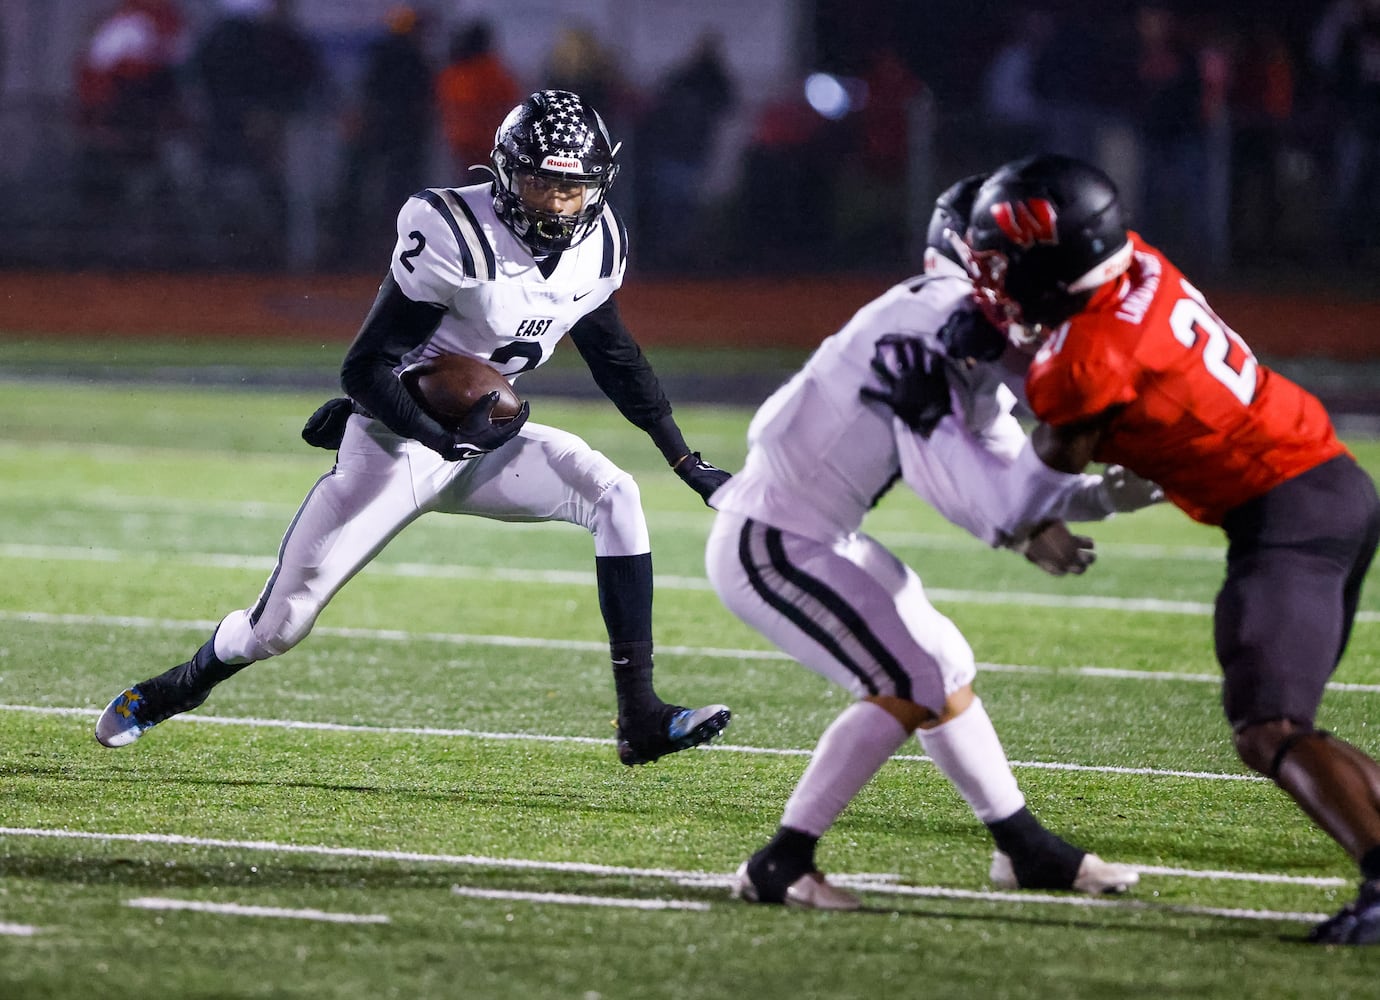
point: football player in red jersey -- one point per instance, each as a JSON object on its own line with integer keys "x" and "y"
{"x": 1132, "y": 366}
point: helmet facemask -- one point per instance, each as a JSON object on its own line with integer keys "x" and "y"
{"x": 987, "y": 271}
{"x": 1030, "y": 312}
{"x": 544, "y": 231}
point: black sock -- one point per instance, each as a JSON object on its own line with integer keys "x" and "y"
{"x": 625, "y": 596}
{"x": 632, "y": 683}
{"x": 625, "y": 600}
{"x": 787, "y": 856}
{"x": 1040, "y": 859}
{"x": 186, "y": 685}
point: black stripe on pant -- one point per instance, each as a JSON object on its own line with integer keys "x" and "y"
{"x": 814, "y": 593}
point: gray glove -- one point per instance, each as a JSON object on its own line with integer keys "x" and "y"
{"x": 1128, "y": 491}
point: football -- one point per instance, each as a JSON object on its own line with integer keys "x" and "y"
{"x": 448, "y": 385}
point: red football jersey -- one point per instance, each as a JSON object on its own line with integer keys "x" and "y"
{"x": 1202, "y": 417}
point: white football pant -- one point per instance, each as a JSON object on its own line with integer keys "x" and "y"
{"x": 850, "y": 610}
{"x": 381, "y": 483}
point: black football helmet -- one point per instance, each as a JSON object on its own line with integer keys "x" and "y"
{"x": 553, "y": 134}
{"x": 948, "y": 223}
{"x": 1044, "y": 232}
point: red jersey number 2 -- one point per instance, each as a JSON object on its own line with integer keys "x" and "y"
{"x": 1225, "y": 355}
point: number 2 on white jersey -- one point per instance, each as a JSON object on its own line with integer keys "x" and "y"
{"x": 1191, "y": 320}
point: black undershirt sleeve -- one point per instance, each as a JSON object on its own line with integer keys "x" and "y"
{"x": 625, "y": 376}
{"x": 395, "y": 325}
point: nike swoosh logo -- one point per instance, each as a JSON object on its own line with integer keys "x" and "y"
{"x": 583, "y": 294}
{"x": 621, "y": 662}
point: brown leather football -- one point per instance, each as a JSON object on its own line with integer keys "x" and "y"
{"x": 448, "y": 385}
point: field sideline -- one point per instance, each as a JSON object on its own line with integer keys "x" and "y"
{"x": 422, "y": 800}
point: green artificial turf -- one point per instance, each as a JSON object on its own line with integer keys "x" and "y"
{"x": 448, "y": 725}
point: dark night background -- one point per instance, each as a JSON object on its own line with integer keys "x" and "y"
{"x": 948, "y": 43}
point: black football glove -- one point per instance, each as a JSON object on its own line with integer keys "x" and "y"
{"x": 1056, "y": 550}
{"x": 326, "y": 427}
{"x": 967, "y": 336}
{"x": 913, "y": 382}
{"x": 700, "y": 476}
{"x": 477, "y": 433}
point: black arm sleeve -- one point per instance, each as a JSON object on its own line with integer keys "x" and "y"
{"x": 394, "y": 326}
{"x": 625, "y": 376}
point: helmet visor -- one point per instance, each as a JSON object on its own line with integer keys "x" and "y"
{"x": 552, "y": 193}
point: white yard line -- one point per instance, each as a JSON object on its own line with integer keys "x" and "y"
{"x": 583, "y": 578}
{"x": 1321, "y": 881}
{"x": 48, "y": 618}
{"x": 321, "y": 850}
{"x": 568, "y": 899}
{"x": 479, "y": 734}
{"x": 1103, "y": 902}
{"x": 1120, "y": 550}
{"x": 17, "y": 930}
{"x": 931, "y": 540}
{"x": 247, "y": 910}
{"x": 869, "y": 883}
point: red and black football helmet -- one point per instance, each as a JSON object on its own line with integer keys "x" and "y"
{"x": 1044, "y": 232}
{"x": 553, "y": 134}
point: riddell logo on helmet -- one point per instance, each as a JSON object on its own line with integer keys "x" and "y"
{"x": 562, "y": 163}
{"x": 1027, "y": 222}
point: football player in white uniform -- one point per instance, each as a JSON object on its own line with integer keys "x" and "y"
{"x": 501, "y": 271}
{"x": 894, "y": 395}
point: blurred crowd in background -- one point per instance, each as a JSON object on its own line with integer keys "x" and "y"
{"x": 1238, "y": 140}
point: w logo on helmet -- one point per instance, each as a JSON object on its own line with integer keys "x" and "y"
{"x": 1027, "y": 222}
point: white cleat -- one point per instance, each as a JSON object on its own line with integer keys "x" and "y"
{"x": 811, "y": 891}
{"x": 118, "y": 725}
{"x": 1095, "y": 877}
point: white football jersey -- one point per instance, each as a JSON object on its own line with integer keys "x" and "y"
{"x": 819, "y": 455}
{"x": 453, "y": 251}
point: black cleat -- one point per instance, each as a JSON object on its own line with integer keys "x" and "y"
{"x": 1357, "y": 923}
{"x": 681, "y": 728}
{"x": 136, "y": 710}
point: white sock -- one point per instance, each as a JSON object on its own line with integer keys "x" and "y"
{"x": 234, "y": 639}
{"x": 851, "y": 751}
{"x": 968, "y": 751}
